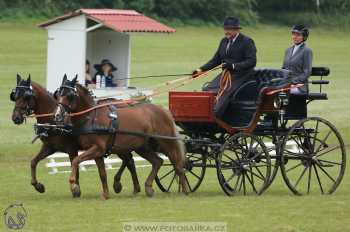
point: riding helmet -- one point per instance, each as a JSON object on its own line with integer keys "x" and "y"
{"x": 302, "y": 29}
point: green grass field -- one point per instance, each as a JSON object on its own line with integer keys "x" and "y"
{"x": 23, "y": 50}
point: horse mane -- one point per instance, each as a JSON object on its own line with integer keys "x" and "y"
{"x": 37, "y": 85}
{"x": 86, "y": 92}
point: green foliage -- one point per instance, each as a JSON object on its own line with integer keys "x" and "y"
{"x": 329, "y": 13}
{"x": 337, "y": 6}
{"x": 194, "y": 12}
{"x": 327, "y": 20}
{"x": 203, "y": 11}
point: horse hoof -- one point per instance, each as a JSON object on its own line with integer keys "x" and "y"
{"x": 117, "y": 187}
{"x": 105, "y": 196}
{"x": 149, "y": 191}
{"x": 137, "y": 190}
{"x": 76, "y": 191}
{"x": 39, "y": 187}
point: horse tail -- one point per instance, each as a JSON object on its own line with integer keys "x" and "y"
{"x": 180, "y": 145}
{"x": 179, "y": 142}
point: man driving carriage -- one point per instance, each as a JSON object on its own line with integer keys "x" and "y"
{"x": 237, "y": 54}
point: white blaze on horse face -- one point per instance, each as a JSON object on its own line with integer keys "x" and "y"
{"x": 59, "y": 114}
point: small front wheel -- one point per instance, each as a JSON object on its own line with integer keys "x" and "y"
{"x": 195, "y": 167}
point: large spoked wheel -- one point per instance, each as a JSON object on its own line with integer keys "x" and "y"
{"x": 313, "y": 157}
{"x": 243, "y": 165}
{"x": 195, "y": 168}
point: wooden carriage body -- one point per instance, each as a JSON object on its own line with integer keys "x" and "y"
{"x": 193, "y": 111}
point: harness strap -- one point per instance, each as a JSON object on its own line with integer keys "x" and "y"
{"x": 113, "y": 129}
{"x": 121, "y": 102}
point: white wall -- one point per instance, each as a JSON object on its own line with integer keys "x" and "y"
{"x": 66, "y": 51}
{"x": 107, "y": 44}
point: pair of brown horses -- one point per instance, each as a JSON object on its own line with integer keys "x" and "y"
{"x": 30, "y": 97}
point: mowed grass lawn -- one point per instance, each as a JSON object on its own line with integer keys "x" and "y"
{"x": 23, "y": 50}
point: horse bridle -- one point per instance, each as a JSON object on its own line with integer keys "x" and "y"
{"x": 59, "y": 92}
{"x": 27, "y": 96}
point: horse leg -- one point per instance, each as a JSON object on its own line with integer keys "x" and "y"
{"x": 132, "y": 169}
{"x": 128, "y": 162}
{"x": 179, "y": 170}
{"x": 92, "y": 153}
{"x": 174, "y": 153}
{"x": 72, "y": 155}
{"x": 156, "y": 162}
{"x": 44, "y": 152}
{"x": 117, "y": 186}
{"x": 103, "y": 176}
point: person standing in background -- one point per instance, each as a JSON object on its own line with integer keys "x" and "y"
{"x": 88, "y": 78}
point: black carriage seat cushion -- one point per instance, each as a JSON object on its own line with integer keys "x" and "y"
{"x": 320, "y": 71}
{"x": 242, "y": 105}
{"x": 273, "y": 78}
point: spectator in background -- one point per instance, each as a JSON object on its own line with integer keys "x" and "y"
{"x": 104, "y": 76}
{"x": 88, "y": 78}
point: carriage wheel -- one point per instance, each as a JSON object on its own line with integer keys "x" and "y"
{"x": 195, "y": 167}
{"x": 272, "y": 149}
{"x": 243, "y": 165}
{"x": 313, "y": 157}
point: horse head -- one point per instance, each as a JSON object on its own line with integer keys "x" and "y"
{"x": 24, "y": 97}
{"x": 71, "y": 97}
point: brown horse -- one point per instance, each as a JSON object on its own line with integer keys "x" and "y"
{"x": 30, "y": 97}
{"x": 142, "y": 118}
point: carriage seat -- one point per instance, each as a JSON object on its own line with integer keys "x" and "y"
{"x": 317, "y": 96}
{"x": 272, "y": 77}
{"x": 321, "y": 72}
{"x": 245, "y": 100}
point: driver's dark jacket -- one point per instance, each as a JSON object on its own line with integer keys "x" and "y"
{"x": 242, "y": 53}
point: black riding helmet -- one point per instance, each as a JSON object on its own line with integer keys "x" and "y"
{"x": 302, "y": 29}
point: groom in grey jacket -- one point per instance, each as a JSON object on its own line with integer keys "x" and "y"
{"x": 298, "y": 59}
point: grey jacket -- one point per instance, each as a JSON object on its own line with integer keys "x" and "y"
{"x": 300, "y": 65}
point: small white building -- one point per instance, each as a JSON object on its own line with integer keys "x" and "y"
{"x": 94, "y": 35}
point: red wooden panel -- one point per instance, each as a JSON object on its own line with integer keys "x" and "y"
{"x": 192, "y": 106}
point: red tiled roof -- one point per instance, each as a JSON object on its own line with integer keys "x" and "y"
{"x": 118, "y": 20}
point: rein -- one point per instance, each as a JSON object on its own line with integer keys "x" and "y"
{"x": 122, "y": 102}
{"x": 184, "y": 81}
{"x": 151, "y": 76}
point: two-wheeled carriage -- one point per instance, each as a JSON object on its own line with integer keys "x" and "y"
{"x": 265, "y": 129}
